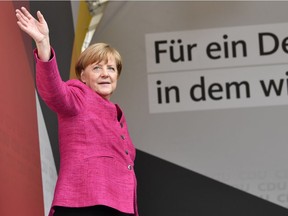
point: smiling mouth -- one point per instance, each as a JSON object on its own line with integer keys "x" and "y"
{"x": 104, "y": 83}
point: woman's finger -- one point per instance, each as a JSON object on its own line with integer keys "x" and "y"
{"x": 40, "y": 17}
{"x": 26, "y": 13}
{"x": 21, "y": 17}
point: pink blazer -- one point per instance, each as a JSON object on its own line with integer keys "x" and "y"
{"x": 96, "y": 152}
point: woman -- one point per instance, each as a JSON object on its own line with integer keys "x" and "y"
{"x": 96, "y": 175}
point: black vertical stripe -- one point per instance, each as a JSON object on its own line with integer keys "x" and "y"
{"x": 58, "y": 15}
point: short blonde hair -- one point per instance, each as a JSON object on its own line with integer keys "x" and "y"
{"x": 96, "y": 53}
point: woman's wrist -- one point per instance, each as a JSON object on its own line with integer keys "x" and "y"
{"x": 44, "y": 50}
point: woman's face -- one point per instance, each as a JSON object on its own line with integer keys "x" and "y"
{"x": 101, "y": 77}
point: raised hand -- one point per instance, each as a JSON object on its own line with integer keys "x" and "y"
{"x": 37, "y": 29}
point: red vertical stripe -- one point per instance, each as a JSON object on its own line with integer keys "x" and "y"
{"x": 20, "y": 168}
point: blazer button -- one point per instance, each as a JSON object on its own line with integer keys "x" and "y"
{"x": 122, "y": 136}
{"x": 121, "y": 124}
{"x": 129, "y": 167}
{"x": 126, "y": 151}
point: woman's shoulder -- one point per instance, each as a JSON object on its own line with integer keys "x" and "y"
{"x": 76, "y": 87}
{"x": 75, "y": 82}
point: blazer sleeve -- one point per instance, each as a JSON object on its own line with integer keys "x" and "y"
{"x": 59, "y": 96}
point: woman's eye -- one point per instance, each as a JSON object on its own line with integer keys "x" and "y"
{"x": 111, "y": 68}
{"x": 97, "y": 68}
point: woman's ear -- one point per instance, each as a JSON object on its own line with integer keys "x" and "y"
{"x": 82, "y": 76}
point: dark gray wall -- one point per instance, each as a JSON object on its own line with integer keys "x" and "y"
{"x": 58, "y": 15}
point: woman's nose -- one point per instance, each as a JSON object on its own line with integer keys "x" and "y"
{"x": 105, "y": 72}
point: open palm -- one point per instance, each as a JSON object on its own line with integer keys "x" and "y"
{"x": 37, "y": 29}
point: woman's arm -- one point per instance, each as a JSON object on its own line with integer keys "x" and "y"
{"x": 57, "y": 94}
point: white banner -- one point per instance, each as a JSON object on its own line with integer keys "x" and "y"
{"x": 219, "y": 47}
{"x": 218, "y": 68}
